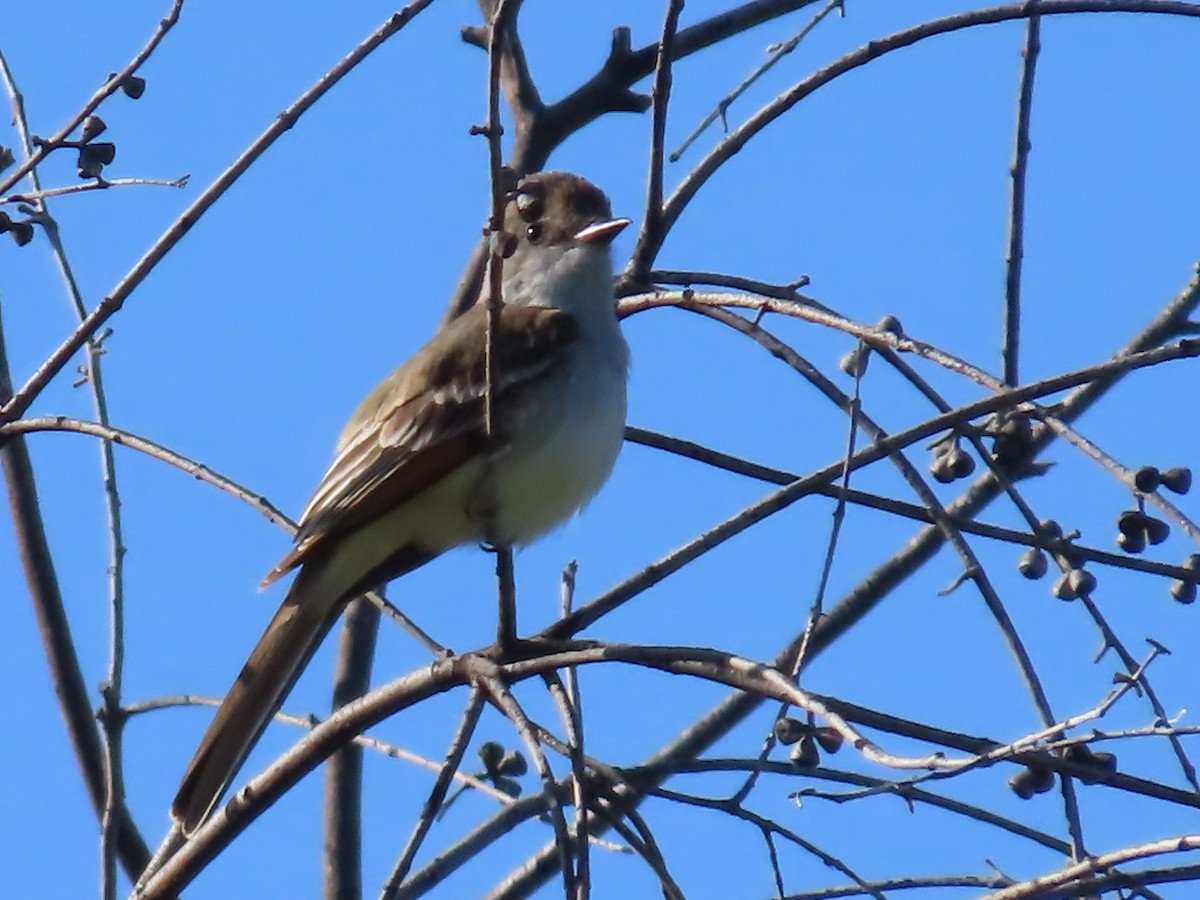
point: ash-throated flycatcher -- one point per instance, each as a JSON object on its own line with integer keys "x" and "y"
{"x": 415, "y": 474}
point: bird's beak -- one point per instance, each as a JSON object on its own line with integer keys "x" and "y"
{"x": 601, "y": 232}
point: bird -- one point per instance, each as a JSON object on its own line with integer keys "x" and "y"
{"x": 416, "y": 473}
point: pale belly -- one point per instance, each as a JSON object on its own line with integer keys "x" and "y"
{"x": 561, "y": 457}
{"x": 543, "y": 481}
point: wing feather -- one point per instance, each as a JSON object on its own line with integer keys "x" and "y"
{"x": 426, "y": 419}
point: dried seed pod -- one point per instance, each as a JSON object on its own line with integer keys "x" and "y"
{"x": 94, "y": 157}
{"x": 1132, "y": 543}
{"x": 805, "y": 754}
{"x": 1146, "y": 479}
{"x": 507, "y": 786}
{"x": 1099, "y": 765}
{"x": 1178, "y": 479}
{"x": 941, "y": 470}
{"x": 22, "y": 232}
{"x": 514, "y": 763}
{"x": 1079, "y": 753}
{"x": 133, "y": 86}
{"x": 789, "y": 730}
{"x": 830, "y": 739}
{"x": 1048, "y": 528}
{"x": 891, "y": 325}
{"x": 1132, "y": 522}
{"x": 1063, "y": 588}
{"x": 1031, "y": 780}
{"x": 961, "y": 463}
{"x": 1192, "y": 562}
{"x": 1157, "y": 530}
{"x": 1014, "y": 436}
{"x": 1184, "y": 591}
{"x": 93, "y": 126}
{"x": 105, "y": 151}
{"x": 855, "y": 362}
{"x": 1033, "y": 563}
{"x": 1082, "y": 581}
{"x": 491, "y": 754}
{"x": 1105, "y": 762}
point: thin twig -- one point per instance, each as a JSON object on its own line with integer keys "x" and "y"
{"x": 110, "y": 87}
{"x": 500, "y": 695}
{"x": 499, "y": 24}
{"x": 111, "y": 718}
{"x": 642, "y": 257}
{"x": 437, "y": 794}
{"x": 776, "y": 53}
{"x": 735, "y": 141}
{"x": 311, "y": 721}
{"x": 100, "y": 184}
{"x": 1016, "y": 225}
{"x": 1171, "y": 321}
{"x": 910, "y": 794}
{"x": 767, "y": 825}
{"x": 730, "y": 463}
{"x": 973, "y": 567}
{"x": 54, "y": 626}
{"x": 109, "y": 306}
{"x": 1093, "y": 865}
{"x": 575, "y": 734}
{"x": 656, "y": 572}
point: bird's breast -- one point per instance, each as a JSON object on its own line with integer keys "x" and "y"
{"x": 567, "y": 446}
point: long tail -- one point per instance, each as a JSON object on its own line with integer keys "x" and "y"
{"x": 307, "y": 614}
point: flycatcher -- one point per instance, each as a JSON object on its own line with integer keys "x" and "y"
{"x": 415, "y": 472}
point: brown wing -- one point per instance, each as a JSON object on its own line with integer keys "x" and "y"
{"x": 427, "y": 418}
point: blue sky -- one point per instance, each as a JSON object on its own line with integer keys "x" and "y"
{"x": 330, "y": 262}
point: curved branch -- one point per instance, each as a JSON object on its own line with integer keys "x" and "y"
{"x": 197, "y": 470}
{"x": 443, "y": 675}
{"x": 109, "y": 306}
{"x": 1171, "y": 321}
{"x": 737, "y": 139}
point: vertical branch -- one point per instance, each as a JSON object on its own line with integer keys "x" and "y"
{"x": 1016, "y": 231}
{"x": 839, "y": 512}
{"x": 777, "y": 52}
{"x": 1011, "y": 353}
{"x": 503, "y": 699}
{"x": 574, "y": 700}
{"x": 55, "y": 629}
{"x": 498, "y": 25}
{"x": 344, "y": 771}
{"x": 652, "y": 222}
{"x": 112, "y": 716}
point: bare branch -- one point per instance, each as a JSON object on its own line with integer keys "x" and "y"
{"x": 106, "y": 90}
{"x": 63, "y": 661}
{"x": 1016, "y": 229}
{"x": 110, "y": 305}
{"x": 437, "y": 795}
{"x": 730, "y": 146}
{"x": 642, "y": 258}
{"x": 344, "y": 773}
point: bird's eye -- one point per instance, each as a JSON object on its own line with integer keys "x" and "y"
{"x": 535, "y": 231}
{"x": 529, "y": 206}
